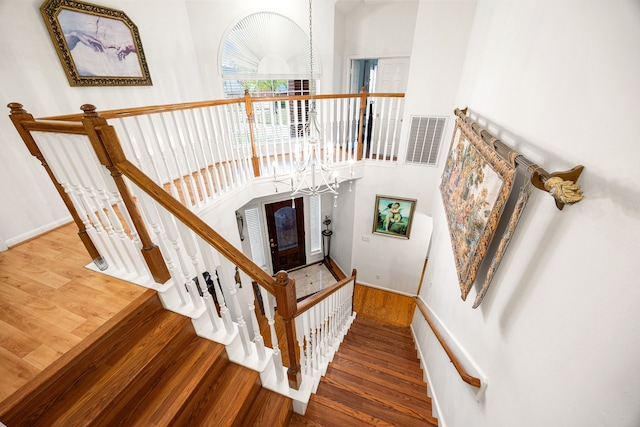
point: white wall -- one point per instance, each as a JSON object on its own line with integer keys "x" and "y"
{"x": 380, "y": 29}
{"x": 374, "y": 30}
{"x": 32, "y": 75}
{"x": 181, "y": 41}
{"x": 558, "y": 334}
{"x": 397, "y": 262}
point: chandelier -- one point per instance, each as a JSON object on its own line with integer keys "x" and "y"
{"x": 312, "y": 161}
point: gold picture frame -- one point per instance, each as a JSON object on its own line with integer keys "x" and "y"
{"x": 393, "y": 216}
{"x": 97, "y": 46}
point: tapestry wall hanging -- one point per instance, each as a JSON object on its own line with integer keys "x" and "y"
{"x": 476, "y": 183}
{"x": 97, "y": 46}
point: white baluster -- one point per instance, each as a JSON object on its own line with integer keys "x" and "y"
{"x": 196, "y": 119}
{"x": 268, "y": 302}
{"x": 181, "y": 173}
{"x": 211, "y": 142}
{"x": 184, "y": 156}
{"x": 221, "y": 128}
{"x": 172, "y": 235}
{"x": 199, "y": 161}
{"x": 165, "y": 162}
{"x": 225, "y": 313}
{"x": 257, "y": 336}
{"x": 241, "y": 138}
{"x": 396, "y": 125}
{"x": 190, "y": 248}
{"x": 302, "y": 332}
{"x": 240, "y": 322}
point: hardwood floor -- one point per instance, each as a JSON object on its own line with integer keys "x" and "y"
{"x": 49, "y": 302}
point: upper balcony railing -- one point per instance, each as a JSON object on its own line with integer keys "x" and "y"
{"x": 199, "y": 150}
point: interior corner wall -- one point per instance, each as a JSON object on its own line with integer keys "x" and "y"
{"x": 379, "y": 29}
{"x": 558, "y": 333}
{"x": 342, "y": 226}
{"x": 382, "y": 261}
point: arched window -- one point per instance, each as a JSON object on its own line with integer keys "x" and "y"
{"x": 267, "y": 54}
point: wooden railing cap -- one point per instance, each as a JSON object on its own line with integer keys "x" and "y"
{"x": 89, "y": 110}
{"x": 16, "y": 108}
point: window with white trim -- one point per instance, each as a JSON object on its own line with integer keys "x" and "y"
{"x": 254, "y": 230}
{"x": 315, "y": 219}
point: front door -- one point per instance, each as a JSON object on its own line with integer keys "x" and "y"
{"x": 286, "y": 234}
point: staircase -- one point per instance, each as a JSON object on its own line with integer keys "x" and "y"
{"x": 146, "y": 367}
{"x": 375, "y": 379}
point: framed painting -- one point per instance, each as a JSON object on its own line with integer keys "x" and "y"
{"x": 476, "y": 183}
{"x": 97, "y": 46}
{"x": 393, "y": 216}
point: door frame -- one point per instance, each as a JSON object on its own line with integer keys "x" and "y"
{"x": 300, "y": 227}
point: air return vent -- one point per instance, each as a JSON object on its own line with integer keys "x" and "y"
{"x": 425, "y": 138}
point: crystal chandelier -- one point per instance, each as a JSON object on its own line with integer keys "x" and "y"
{"x": 312, "y": 161}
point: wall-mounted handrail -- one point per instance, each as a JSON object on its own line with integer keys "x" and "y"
{"x": 466, "y": 377}
{"x": 565, "y": 191}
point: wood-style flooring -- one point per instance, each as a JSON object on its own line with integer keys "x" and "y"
{"x": 49, "y": 302}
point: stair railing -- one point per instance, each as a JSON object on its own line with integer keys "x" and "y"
{"x": 322, "y": 320}
{"x": 118, "y": 208}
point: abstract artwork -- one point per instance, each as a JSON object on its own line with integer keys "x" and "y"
{"x": 476, "y": 183}
{"x": 97, "y": 46}
{"x": 393, "y": 216}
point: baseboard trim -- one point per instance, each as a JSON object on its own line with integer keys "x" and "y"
{"x": 38, "y": 231}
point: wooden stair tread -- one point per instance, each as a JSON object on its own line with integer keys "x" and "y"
{"x": 375, "y": 379}
{"x": 374, "y": 355}
{"x": 269, "y": 409}
{"x": 165, "y": 401}
{"x": 417, "y": 389}
{"x": 375, "y": 407}
{"x": 92, "y": 395}
{"x": 330, "y": 413}
{"x": 368, "y": 389}
{"x": 398, "y": 331}
{"x": 412, "y": 375}
{"x": 388, "y": 348}
{"x": 371, "y": 331}
{"x": 222, "y": 399}
{"x": 161, "y": 394}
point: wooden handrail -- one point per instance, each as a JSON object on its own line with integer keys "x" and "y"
{"x": 137, "y": 111}
{"x": 196, "y": 224}
{"x": 466, "y": 377}
{"x": 24, "y": 121}
{"x": 316, "y": 298}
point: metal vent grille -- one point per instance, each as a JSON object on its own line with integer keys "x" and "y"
{"x": 425, "y": 138}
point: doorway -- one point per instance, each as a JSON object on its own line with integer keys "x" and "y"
{"x": 285, "y": 224}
